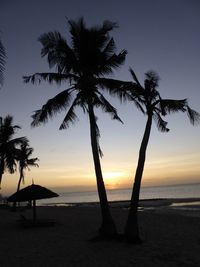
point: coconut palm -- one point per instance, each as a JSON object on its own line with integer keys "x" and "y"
{"x": 8, "y": 145}
{"x": 149, "y": 101}
{"x": 2, "y": 62}
{"x": 25, "y": 162}
{"x": 84, "y": 64}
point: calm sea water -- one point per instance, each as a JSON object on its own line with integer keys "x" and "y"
{"x": 176, "y": 191}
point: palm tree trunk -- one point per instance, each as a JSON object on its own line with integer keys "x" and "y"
{"x": 18, "y": 187}
{"x": 34, "y": 211}
{"x": 20, "y": 179}
{"x": 1, "y": 174}
{"x": 1, "y": 169}
{"x": 108, "y": 228}
{"x": 132, "y": 229}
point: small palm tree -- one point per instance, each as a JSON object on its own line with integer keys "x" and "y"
{"x": 24, "y": 161}
{"x": 84, "y": 64}
{"x": 149, "y": 101}
{"x": 8, "y": 145}
{"x": 2, "y": 62}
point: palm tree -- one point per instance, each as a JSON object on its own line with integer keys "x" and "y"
{"x": 2, "y": 62}
{"x": 24, "y": 160}
{"x": 8, "y": 145}
{"x": 149, "y": 101}
{"x": 84, "y": 64}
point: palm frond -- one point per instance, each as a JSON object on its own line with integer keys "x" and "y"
{"x": 110, "y": 47}
{"x": 70, "y": 117}
{"x": 2, "y": 62}
{"x": 53, "y": 106}
{"x": 115, "y": 88}
{"x": 49, "y": 77}
{"x": 108, "y": 108}
{"x": 10, "y": 157}
{"x": 33, "y": 162}
{"x": 77, "y": 30}
{"x": 7, "y": 122}
{"x": 94, "y": 49}
{"x": 10, "y": 163}
{"x": 134, "y": 77}
{"x": 58, "y": 52}
{"x": 76, "y": 26}
{"x": 29, "y": 151}
{"x": 7, "y": 130}
{"x": 23, "y": 156}
{"x": 161, "y": 124}
{"x": 18, "y": 141}
{"x": 113, "y": 62}
{"x": 8, "y": 144}
{"x": 170, "y": 106}
{"x": 138, "y": 105}
{"x": 193, "y": 116}
{"x": 49, "y": 41}
{"x": 108, "y": 26}
{"x": 136, "y": 92}
{"x": 152, "y": 78}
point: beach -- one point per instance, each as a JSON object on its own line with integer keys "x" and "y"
{"x": 170, "y": 234}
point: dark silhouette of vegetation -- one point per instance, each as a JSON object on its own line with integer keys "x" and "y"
{"x": 84, "y": 64}
{"x": 150, "y": 103}
{"x": 9, "y": 145}
{"x": 25, "y": 162}
{"x": 2, "y": 62}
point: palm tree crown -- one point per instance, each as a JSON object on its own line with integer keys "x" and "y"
{"x": 8, "y": 145}
{"x": 24, "y": 160}
{"x": 84, "y": 64}
{"x": 149, "y": 101}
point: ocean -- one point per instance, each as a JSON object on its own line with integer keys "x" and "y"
{"x": 156, "y": 192}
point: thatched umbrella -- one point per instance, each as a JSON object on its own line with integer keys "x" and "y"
{"x": 32, "y": 192}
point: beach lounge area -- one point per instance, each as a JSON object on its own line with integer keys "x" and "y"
{"x": 171, "y": 237}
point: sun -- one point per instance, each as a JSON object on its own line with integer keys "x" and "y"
{"x": 112, "y": 179}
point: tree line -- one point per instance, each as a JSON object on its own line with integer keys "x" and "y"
{"x": 15, "y": 152}
{"x": 84, "y": 62}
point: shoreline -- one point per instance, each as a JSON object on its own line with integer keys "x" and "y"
{"x": 125, "y": 203}
{"x": 182, "y": 206}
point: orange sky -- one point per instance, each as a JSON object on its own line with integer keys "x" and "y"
{"x": 159, "y": 171}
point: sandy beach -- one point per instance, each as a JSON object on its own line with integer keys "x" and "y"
{"x": 171, "y": 237}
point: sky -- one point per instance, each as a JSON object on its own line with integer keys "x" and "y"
{"x": 159, "y": 35}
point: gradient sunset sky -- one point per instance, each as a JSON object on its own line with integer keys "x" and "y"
{"x": 159, "y": 35}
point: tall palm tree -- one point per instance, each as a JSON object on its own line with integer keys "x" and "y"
{"x": 84, "y": 64}
{"x": 8, "y": 145}
{"x": 149, "y": 101}
{"x": 24, "y": 161}
{"x": 2, "y": 62}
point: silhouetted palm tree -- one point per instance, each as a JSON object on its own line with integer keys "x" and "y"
{"x": 8, "y": 145}
{"x": 149, "y": 101}
{"x": 2, "y": 62}
{"x": 24, "y": 161}
{"x": 84, "y": 64}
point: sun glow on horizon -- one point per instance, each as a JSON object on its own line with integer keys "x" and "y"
{"x": 113, "y": 180}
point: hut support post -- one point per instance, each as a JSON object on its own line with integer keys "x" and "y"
{"x": 34, "y": 211}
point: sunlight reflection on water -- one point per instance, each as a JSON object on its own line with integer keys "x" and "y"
{"x": 162, "y": 192}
